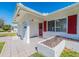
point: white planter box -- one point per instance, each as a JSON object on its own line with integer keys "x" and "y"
{"x": 51, "y": 52}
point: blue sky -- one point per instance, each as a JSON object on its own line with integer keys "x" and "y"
{"x": 7, "y": 9}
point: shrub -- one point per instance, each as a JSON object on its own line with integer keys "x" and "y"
{"x": 36, "y": 54}
{"x": 69, "y": 53}
{"x": 1, "y": 30}
{"x": 6, "y": 27}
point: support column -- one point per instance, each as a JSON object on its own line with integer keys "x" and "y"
{"x": 27, "y": 33}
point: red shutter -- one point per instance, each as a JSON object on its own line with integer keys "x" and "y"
{"x": 45, "y": 26}
{"x": 72, "y": 24}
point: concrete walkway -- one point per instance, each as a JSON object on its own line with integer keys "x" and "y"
{"x": 15, "y": 47}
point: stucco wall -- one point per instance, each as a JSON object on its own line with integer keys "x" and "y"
{"x": 34, "y": 28}
{"x": 33, "y": 19}
{"x": 63, "y": 34}
{"x": 50, "y": 34}
{"x": 21, "y": 22}
{"x": 34, "y": 24}
{"x": 21, "y": 30}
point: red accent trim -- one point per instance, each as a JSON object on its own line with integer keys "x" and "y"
{"x": 72, "y": 24}
{"x": 45, "y": 26}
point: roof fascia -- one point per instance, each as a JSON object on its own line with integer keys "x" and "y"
{"x": 29, "y": 9}
{"x": 63, "y": 9}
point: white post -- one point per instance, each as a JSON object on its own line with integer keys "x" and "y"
{"x": 27, "y": 33}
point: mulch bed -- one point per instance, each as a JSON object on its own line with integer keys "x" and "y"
{"x": 53, "y": 42}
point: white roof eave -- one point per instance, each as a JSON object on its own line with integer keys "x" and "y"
{"x": 44, "y": 14}
{"x": 29, "y": 9}
{"x": 63, "y": 9}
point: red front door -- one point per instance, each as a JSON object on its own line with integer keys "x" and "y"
{"x": 72, "y": 24}
{"x": 40, "y": 29}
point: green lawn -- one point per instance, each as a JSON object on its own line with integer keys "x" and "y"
{"x": 66, "y": 53}
{"x": 36, "y": 54}
{"x": 69, "y": 53}
{"x": 1, "y": 30}
{"x": 1, "y": 46}
{"x": 7, "y": 34}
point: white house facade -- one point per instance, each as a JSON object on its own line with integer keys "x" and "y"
{"x": 63, "y": 22}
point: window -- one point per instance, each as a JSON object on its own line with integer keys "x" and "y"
{"x": 51, "y": 25}
{"x": 57, "y": 25}
{"x": 61, "y": 25}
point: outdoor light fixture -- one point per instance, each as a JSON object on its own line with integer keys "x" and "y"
{"x": 18, "y": 15}
{"x": 25, "y": 26}
{"x": 36, "y": 49}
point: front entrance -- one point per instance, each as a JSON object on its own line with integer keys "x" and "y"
{"x": 40, "y": 29}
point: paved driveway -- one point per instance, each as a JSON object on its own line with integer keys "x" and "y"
{"x": 15, "y": 47}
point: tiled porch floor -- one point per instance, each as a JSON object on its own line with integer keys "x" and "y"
{"x": 15, "y": 47}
